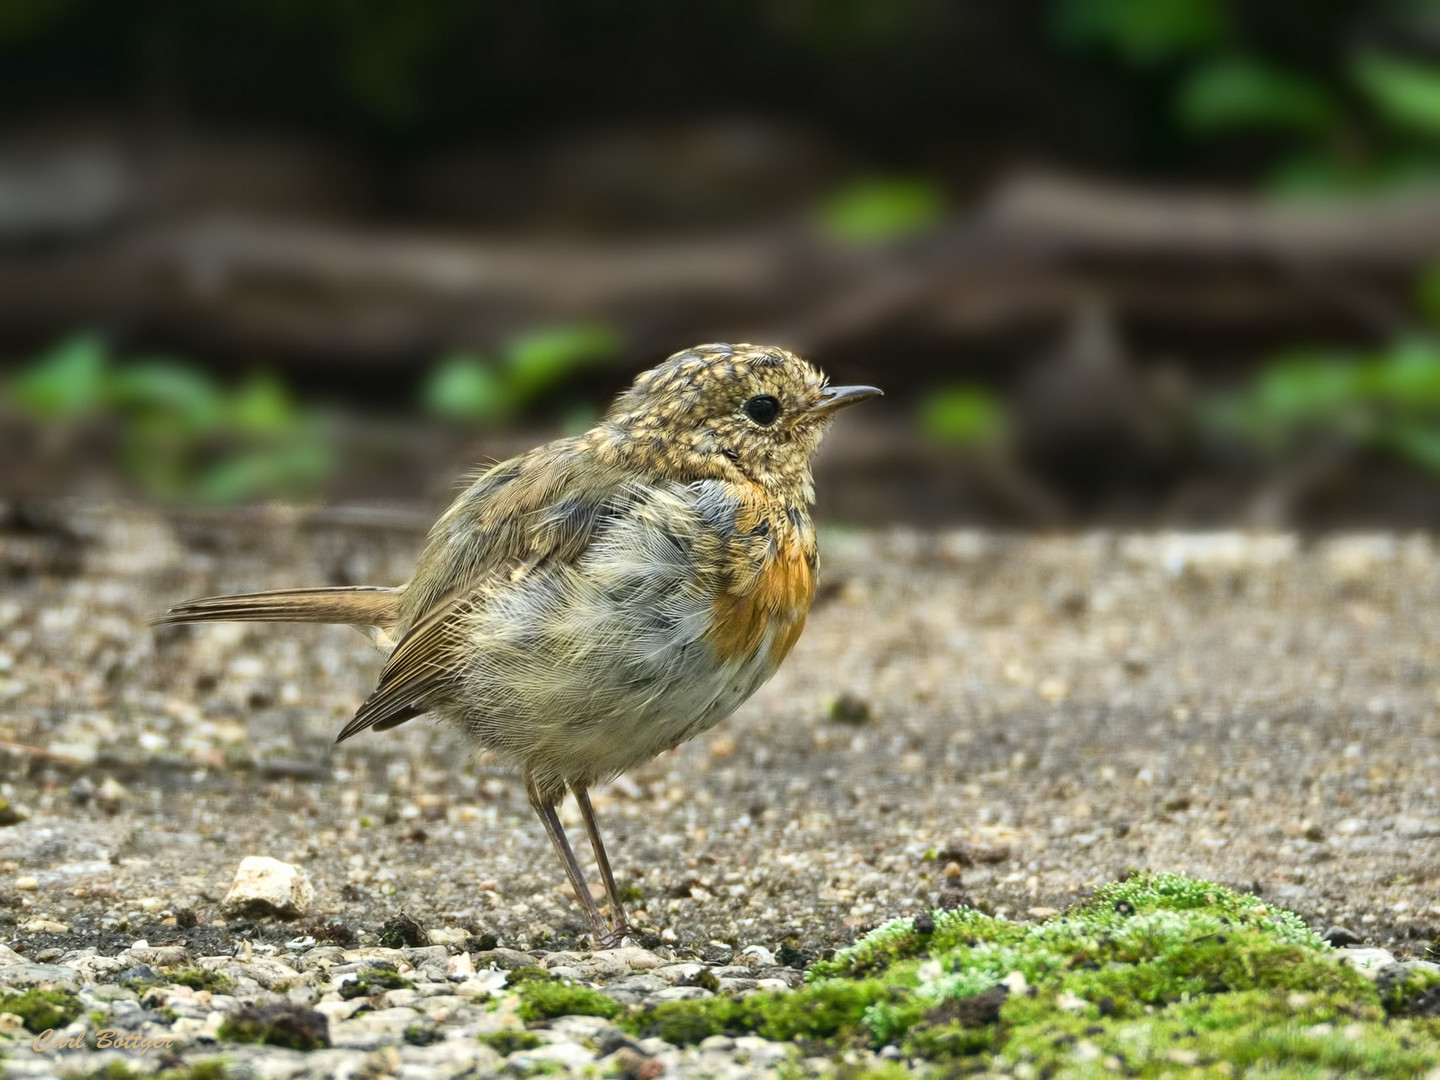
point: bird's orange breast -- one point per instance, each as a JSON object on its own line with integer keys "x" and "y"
{"x": 772, "y": 600}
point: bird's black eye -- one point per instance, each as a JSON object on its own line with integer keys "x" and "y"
{"x": 763, "y": 409}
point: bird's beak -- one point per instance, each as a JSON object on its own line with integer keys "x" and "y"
{"x": 833, "y": 398}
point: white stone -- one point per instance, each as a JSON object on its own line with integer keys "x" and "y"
{"x": 1368, "y": 962}
{"x": 759, "y": 955}
{"x": 269, "y": 884}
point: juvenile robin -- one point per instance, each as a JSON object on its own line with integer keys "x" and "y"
{"x": 585, "y": 606}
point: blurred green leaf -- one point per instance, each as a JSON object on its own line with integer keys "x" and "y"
{"x": 1418, "y": 442}
{"x": 962, "y": 415}
{"x": 263, "y": 406}
{"x": 1142, "y": 32}
{"x": 1241, "y": 91}
{"x": 292, "y": 469}
{"x": 1306, "y": 386}
{"x": 1408, "y": 376}
{"x": 1389, "y": 399}
{"x": 68, "y": 381}
{"x": 541, "y": 360}
{"x": 873, "y": 210}
{"x": 179, "y": 395}
{"x": 465, "y": 387}
{"x": 1325, "y": 174}
{"x": 1407, "y": 93}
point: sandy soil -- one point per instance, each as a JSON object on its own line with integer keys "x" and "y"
{"x": 1043, "y": 715}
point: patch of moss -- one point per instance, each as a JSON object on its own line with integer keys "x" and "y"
{"x": 1417, "y": 994}
{"x": 547, "y": 1000}
{"x": 401, "y": 932}
{"x": 1251, "y": 1032}
{"x": 199, "y": 979}
{"x": 834, "y": 1009}
{"x": 290, "y": 1026}
{"x": 508, "y": 1041}
{"x": 42, "y": 1010}
{"x": 210, "y": 1069}
{"x": 8, "y": 814}
{"x": 527, "y": 973}
{"x": 1158, "y": 974}
{"x": 373, "y": 981}
{"x": 423, "y": 1033}
{"x": 536, "y": 1068}
{"x": 681, "y": 1023}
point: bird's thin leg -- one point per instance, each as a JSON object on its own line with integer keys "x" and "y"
{"x": 544, "y": 806}
{"x": 620, "y": 924}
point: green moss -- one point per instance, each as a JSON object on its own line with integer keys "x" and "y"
{"x": 373, "y": 981}
{"x": 209, "y": 1069}
{"x": 1159, "y": 974}
{"x": 200, "y": 979}
{"x": 1418, "y": 994}
{"x": 278, "y": 1025}
{"x": 547, "y": 1000}
{"x": 509, "y": 1041}
{"x": 830, "y": 1010}
{"x": 42, "y": 1010}
{"x": 527, "y": 973}
{"x": 423, "y": 1033}
{"x": 682, "y": 1023}
{"x": 1254, "y": 1031}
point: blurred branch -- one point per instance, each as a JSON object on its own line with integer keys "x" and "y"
{"x": 1394, "y": 232}
{"x": 1025, "y": 257}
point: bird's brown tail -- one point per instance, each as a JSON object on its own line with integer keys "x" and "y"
{"x": 361, "y": 605}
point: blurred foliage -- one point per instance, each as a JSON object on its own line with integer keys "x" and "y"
{"x": 1142, "y": 32}
{"x": 468, "y": 387}
{"x": 1243, "y": 91}
{"x": 1406, "y": 92}
{"x": 180, "y": 434}
{"x": 1351, "y": 116}
{"x": 878, "y": 209}
{"x": 1427, "y": 295}
{"x": 1387, "y": 400}
{"x": 963, "y": 416}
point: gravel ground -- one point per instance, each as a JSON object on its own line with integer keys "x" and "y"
{"x": 1019, "y": 719}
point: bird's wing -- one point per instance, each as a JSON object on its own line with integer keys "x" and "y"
{"x": 538, "y": 510}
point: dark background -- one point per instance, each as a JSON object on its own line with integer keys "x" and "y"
{"x": 1142, "y": 262}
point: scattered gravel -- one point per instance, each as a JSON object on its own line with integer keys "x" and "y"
{"x": 969, "y": 718}
{"x": 440, "y": 1018}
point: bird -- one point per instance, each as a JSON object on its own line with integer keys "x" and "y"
{"x": 603, "y": 598}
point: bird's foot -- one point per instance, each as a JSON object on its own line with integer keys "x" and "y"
{"x": 613, "y": 937}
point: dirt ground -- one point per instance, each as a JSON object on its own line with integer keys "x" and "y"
{"x": 1020, "y": 718}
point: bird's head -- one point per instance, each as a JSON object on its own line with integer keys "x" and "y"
{"x": 749, "y": 412}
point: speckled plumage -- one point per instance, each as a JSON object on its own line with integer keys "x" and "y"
{"x": 592, "y": 603}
